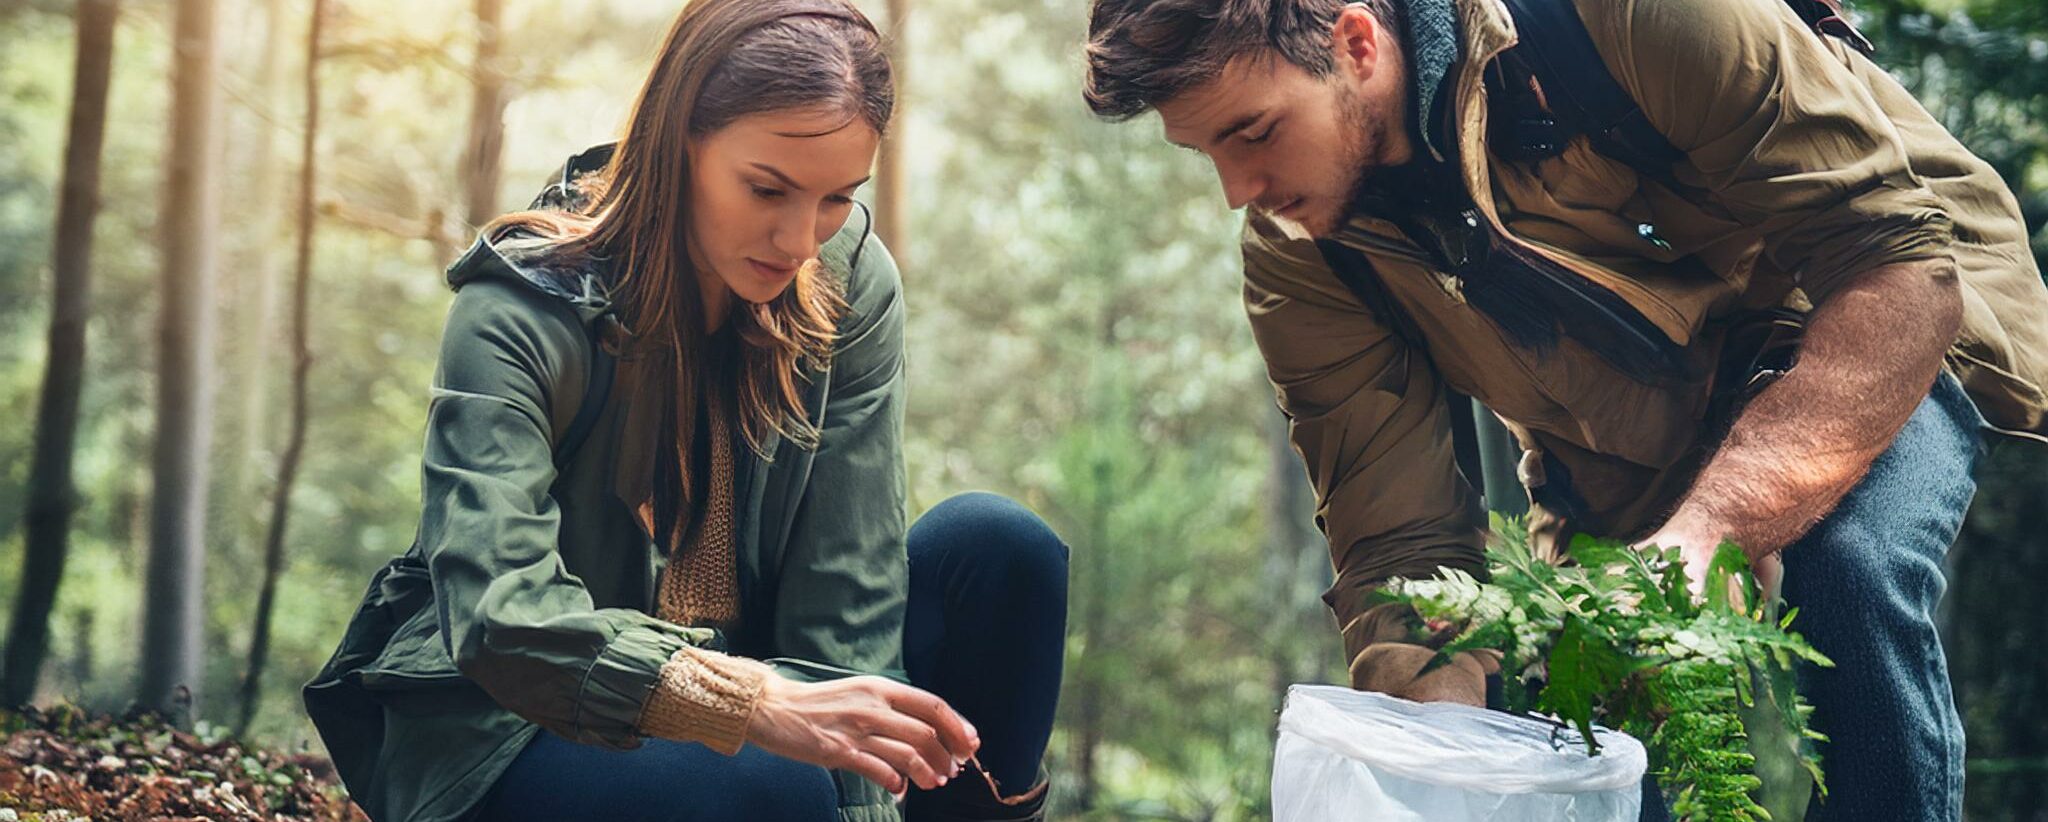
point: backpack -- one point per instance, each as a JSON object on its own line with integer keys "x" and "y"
{"x": 1584, "y": 98}
{"x": 1580, "y": 97}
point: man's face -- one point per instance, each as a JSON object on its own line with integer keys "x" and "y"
{"x": 1293, "y": 145}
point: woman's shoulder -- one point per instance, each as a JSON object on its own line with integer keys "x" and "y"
{"x": 514, "y": 323}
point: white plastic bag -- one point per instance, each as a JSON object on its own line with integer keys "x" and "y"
{"x": 1355, "y": 755}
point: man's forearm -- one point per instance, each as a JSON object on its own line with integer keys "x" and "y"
{"x": 1868, "y": 356}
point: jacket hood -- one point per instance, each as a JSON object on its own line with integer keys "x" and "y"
{"x": 523, "y": 257}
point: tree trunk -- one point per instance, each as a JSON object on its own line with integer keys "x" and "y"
{"x": 889, "y": 172}
{"x": 81, "y": 649}
{"x": 246, "y": 430}
{"x": 172, "y": 602}
{"x": 483, "y": 158}
{"x": 1297, "y": 566}
{"x": 302, "y": 361}
{"x": 52, "y": 499}
{"x": 1091, "y": 692}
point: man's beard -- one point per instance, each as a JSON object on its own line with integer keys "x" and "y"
{"x": 1361, "y": 154}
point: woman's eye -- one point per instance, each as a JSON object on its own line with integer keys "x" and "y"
{"x": 767, "y": 193}
{"x": 1263, "y": 136}
{"x": 839, "y": 199}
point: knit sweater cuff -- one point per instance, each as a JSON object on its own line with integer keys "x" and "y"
{"x": 705, "y": 696}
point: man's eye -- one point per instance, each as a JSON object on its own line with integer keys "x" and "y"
{"x": 767, "y": 193}
{"x": 1263, "y": 136}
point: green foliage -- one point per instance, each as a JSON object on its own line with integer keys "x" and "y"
{"x": 1076, "y": 340}
{"x": 1616, "y": 638}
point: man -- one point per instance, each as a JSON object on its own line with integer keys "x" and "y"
{"x": 1625, "y": 323}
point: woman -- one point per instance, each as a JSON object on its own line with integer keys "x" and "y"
{"x": 661, "y": 567}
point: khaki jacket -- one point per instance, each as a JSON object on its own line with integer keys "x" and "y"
{"x": 1805, "y": 165}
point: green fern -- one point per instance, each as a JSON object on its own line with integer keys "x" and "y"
{"x": 1616, "y": 638}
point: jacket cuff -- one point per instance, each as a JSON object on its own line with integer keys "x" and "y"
{"x": 617, "y": 685}
{"x": 705, "y": 696}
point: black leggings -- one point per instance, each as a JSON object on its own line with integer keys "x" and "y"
{"x": 985, "y": 629}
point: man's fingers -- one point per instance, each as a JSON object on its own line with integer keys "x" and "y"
{"x": 1389, "y": 667}
{"x": 903, "y": 759}
{"x": 958, "y": 737}
{"x": 1462, "y": 682}
{"x": 1404, "y": 671}
{"x": 1769, "y": 572}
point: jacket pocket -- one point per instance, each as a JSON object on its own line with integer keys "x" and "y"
{"x": 414, "y": 656}
{"x": 394, "y": 639}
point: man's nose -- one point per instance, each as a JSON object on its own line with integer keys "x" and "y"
{"x": 1241, "y": 186}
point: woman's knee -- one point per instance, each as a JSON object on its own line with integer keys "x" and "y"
{"x": 991, "y": 533}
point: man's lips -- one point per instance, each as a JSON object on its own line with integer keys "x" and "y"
{"x": 1285, "y": 208}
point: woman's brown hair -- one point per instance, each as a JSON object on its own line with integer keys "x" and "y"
{"x": 722, "y": 60}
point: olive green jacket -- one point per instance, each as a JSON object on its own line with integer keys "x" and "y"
{"x": 525, "y": 601}
{"x": 1805, "y": 165}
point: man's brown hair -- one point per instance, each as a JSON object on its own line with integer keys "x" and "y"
{"x": 1144, "y": 52}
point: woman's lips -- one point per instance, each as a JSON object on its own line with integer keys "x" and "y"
{"x": 770, "y": 272}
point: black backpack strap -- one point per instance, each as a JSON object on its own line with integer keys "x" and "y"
{"x": 597, "y": 389}
{"x": 1580, "y": 95}
{"x": 1829, "y": 18}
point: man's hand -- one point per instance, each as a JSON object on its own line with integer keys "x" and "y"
{"x": 878, "y": 728}
{"x": 1397, "y": 669}
{"x": 1697, "y": 554}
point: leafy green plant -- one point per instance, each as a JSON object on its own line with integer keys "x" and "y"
{"x": 1617, "y": 638}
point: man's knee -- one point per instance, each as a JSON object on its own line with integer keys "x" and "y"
{"x": 1861, "y": 573}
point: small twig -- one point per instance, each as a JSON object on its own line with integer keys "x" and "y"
{"x": 997, "y": 790}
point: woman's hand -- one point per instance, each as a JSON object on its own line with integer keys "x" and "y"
{"x": 878, "y": 728}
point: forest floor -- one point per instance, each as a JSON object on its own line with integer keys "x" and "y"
{"x": 63, "y": 765}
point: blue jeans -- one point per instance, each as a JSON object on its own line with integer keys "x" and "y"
{"x": 1866, "y": 581}
{"x": 985, "y": 629}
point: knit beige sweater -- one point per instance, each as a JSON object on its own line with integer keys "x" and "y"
{"x": 705, "y": 696}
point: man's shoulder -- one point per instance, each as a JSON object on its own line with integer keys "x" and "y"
{"x": 1273, "y": 246}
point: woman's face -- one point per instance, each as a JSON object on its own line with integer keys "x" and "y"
{"x": 767, "y": 191}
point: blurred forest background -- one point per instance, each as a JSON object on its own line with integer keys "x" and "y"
{"x": 1076, "y": 340}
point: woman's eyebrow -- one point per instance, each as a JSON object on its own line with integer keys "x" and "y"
{"x": 789, "y": 183}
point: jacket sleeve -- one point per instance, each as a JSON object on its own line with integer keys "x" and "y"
{"x": 845, "y": 574}
{"x": 1778, "y": 130}
{"x": 1368, "y": 417}
{"x": 515, "y": 621}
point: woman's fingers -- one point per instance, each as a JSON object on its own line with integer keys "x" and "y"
{"x": 958, "y": 737}
{"x": 922, "y": 738}
{"x": 905, "y": 759}
{"x": 874, "y": 768}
